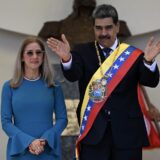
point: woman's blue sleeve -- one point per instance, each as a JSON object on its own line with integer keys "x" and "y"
{"x": 53, "y": 134}
{"x": 18, "y": 140}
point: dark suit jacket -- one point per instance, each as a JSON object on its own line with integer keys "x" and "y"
{"x": 128, "y": 128}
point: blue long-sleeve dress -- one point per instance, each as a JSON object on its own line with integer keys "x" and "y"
{"x": 27, "y": 114}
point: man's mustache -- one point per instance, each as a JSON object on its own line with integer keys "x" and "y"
{"x": 105, "y": 37}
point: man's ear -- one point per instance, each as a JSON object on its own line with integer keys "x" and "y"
{"x": 118, "y": 26}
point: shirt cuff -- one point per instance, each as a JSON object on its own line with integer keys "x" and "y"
{"x": 67, "y": 65}
{"x": 151, "y": 67}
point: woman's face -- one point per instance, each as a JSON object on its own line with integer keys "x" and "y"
{"x": 32, "y": 56}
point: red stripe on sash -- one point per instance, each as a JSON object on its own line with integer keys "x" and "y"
{"x": 123, "y": 70}
{"x": 111, "y": 86}
{"x": 154, "y": 138}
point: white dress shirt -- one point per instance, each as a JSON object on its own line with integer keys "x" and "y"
{"x": 67, "y": 65}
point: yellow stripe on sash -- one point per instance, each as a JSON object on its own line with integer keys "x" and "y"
{"x": 97, "y": 75}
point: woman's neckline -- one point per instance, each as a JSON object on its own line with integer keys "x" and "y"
{"x": 35, "y": 79}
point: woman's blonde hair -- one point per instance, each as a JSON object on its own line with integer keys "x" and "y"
{"x": 45, "y": 69}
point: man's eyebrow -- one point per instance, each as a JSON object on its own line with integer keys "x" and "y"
{"x": 107, "y": 26}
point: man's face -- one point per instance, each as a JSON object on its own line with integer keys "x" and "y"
{"x": 105, "y": 31}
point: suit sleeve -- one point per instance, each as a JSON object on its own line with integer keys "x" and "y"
{"x": 147, "y": 77}
{"x": 52, "y": 135}
{"x": 76, "y": 71}
{"x": 18, "y": 139}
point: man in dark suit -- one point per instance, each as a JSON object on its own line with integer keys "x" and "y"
{"x": 111, "y": 121}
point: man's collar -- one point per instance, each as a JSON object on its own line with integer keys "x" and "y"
{"x": 113, "y": 47}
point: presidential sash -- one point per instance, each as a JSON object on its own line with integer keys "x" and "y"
{"x": 115, "y": 67}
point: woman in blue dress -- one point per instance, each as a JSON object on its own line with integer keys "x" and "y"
{"x": 29, "y": 101}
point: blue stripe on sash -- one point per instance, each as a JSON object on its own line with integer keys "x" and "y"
{"x": 114, "y": 69}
